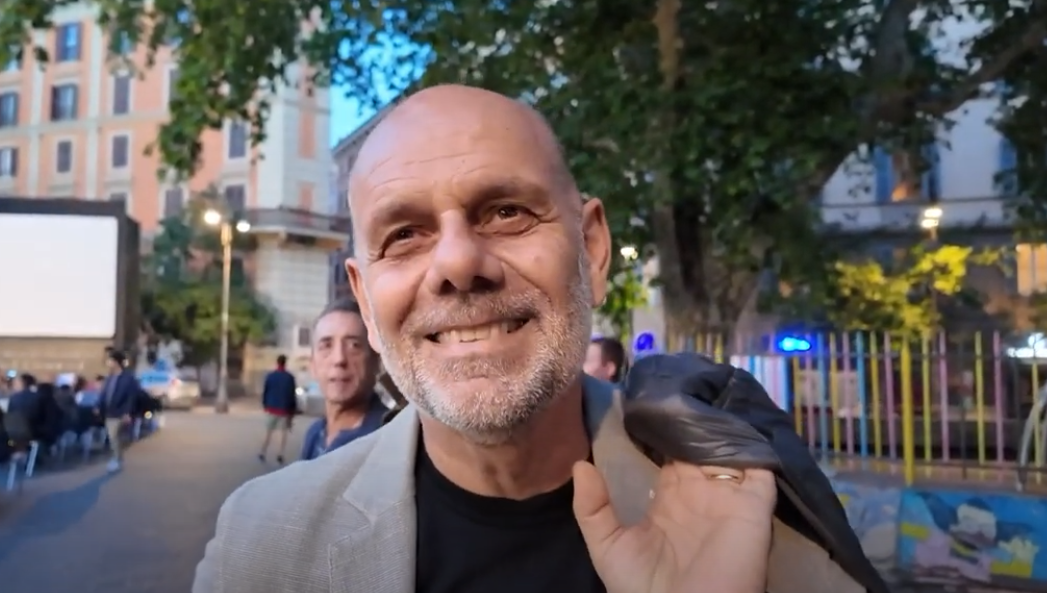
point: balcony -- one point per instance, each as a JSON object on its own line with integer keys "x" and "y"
{"x": 301, "y": 226}
{"x": 988, "y": 213}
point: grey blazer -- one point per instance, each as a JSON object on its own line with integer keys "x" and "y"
{"x": 345, "y": 523}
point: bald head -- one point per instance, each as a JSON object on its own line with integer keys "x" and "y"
{"x": 475, "y": 118}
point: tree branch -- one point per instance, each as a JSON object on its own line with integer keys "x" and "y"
{"x": 990, "y": 71}
{"x": 890, "y": 55}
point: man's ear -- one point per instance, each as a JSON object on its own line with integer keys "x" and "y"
{"x": 597, "y": 237}
{"x": 356, "y": 283}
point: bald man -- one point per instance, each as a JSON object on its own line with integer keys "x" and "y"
{"x": 477, "y": 265}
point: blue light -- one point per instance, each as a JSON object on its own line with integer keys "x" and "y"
{"x": 644, "y": 343}
{"x": 793, "y": 344}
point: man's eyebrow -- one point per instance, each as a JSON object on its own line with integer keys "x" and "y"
{"x": 393, "y": 210}
{"x": 508, "y": 187}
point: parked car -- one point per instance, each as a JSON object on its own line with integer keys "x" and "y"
{"x": 310, "y": 401}
{"x": 173, "y": 390}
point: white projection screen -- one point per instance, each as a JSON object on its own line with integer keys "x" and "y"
{"x": 58, "y": 276}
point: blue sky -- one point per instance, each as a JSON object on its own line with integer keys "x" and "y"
{"x": 346, "y": 115}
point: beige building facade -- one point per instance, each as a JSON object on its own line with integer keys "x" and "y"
{"x": 80, "y": 127}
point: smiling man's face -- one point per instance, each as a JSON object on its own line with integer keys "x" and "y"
{"x": 477, "y": 264}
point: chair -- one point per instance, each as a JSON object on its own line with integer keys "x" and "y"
{"x": 86, "y": 430}
{"x": 26, "y": 447}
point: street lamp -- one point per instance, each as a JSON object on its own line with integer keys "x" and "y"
{"x": 930, "y": 220}
{"x": 214, "y": 217}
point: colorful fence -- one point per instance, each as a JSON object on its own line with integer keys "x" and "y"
{"x": 955, "y": 399}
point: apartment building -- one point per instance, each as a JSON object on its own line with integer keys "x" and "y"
{"x": 343, "y": 156}
{"x": 80, "y": 128}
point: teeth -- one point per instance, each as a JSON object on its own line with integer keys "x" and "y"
{"x": 478, "y": 333}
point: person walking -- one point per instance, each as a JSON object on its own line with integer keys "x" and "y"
{"x": 280, "y": 401}
{"x": 120, "y": 393}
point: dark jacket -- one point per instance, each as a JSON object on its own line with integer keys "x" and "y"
{"x": 40, "y": 411}
{"x": 29, "y": 404}
{"x": 120, "y": 395}
{"x": 279, "y": 393}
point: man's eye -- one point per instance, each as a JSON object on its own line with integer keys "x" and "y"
{"x": 508, "y": 212}
{"x": 401, "y": 235}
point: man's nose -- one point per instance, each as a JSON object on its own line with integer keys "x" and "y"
{"x": 461, "y": 261}
{"x": 339, "y": 353}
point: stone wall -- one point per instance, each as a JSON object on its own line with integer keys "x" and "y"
{"x": 46, "y": 357}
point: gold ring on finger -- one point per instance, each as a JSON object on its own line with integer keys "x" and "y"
{"x": 727, "y": 478}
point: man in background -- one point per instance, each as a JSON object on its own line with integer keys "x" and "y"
{"x": 120, "y": 394}
{"x": 346, "y": 370}
{"x": 605, "y": 359}
{"x": 279, "y": 398}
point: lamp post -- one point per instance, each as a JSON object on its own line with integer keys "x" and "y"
{"x": 226, "y": 226}
{"x": 929, "y": 221}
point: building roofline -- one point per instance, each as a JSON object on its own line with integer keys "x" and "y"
{"x": 365, "y": 128}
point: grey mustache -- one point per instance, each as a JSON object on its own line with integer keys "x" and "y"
{"x": 447, "y": 315}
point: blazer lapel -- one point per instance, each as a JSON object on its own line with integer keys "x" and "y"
{"x": 630, "y": 476}
{"x": 380, "y": 554}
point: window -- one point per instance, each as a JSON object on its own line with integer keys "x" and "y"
{"x": 8, "y": 161}
{"x": 67, "y": 42}
{"x": 64, "y": 102}
{"x": 119, "y": 151}
{"x": 123, "y": 44}
{"x": 121, "y": 94}
{"x": 64, "y": 156}
{"x": 8, "y": 109}
{"x": 237, "y": 141}
{"x": 1007, "y": 176}
{"x": 174, "y": 202}
{"x": 899, "y": 177}
{"x": 1031, "y": 268}
{"x": 172, "y": 84}
{"x": 236, "y": 198}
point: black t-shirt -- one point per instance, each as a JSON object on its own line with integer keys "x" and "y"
{"x": 469, "y": 543}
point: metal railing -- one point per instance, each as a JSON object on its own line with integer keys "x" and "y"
{"x": 943, "y": 401}
{"x": 300, "y": 219}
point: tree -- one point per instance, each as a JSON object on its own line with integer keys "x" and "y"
{"x": 715, "y": 124}
{"x": 904, "y": 297}
{"x": 182, "y": 289}
{"x": 190, "y": 310}
{"x": 626, "y": 294}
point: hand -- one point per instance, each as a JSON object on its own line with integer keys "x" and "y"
{"x": 700, "y": 535}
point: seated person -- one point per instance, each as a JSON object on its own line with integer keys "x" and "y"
{"x": 26, "y": 399}
{"x": 50, "y": 422}
{"x": 90, "y": 395}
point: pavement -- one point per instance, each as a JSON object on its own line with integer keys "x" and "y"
{"x": 79, "y": 530}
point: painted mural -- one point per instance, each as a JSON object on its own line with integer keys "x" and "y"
{"x": 873, "y": 514}
{"x": 973, "y": 536}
